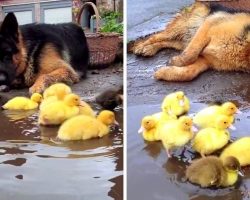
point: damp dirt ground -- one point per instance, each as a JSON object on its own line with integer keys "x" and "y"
{"x": 34, "y": 164}
{"x": 151, "y": 175}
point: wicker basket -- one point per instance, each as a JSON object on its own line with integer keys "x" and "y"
{"x": 102, "y": 46}
{"x": 235, "y": 4}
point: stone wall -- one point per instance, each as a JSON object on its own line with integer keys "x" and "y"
{"x": 116, "y": 5}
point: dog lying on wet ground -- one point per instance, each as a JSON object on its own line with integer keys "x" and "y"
{"x": 210, "y": 37}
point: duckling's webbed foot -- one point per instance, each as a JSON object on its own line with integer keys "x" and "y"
{"x": 169, "y": 153}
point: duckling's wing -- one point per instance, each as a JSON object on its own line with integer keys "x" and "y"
{"x": 16, "y": 103}
{"x": 204, "y": 174}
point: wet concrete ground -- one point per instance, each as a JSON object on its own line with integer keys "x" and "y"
{"x": 36, "y": 165}
{"x": 150, "y": 174}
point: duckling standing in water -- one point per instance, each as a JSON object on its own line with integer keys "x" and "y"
{"x": 175, "y": 104}
{"x": 149, "y": 128}
{"x": 239, "y": 149}
{"x": 83, "y": 127}
{"x": 56, "y": 92}
{"x": 23, "y": 103}
{"x": 57, "y": 112}
{"x": 212, "y": 112}
{"x": 211, "y": 171}
{"x": 176, "y": 133}
{"x": 209, "y": 140}
{"x": 59, "y": 90}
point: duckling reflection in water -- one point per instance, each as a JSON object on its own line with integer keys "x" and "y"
{"x": 212, "y": 171}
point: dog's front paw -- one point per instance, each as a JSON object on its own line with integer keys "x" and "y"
{"x": 36, "y": 89}
{"x": 176, "y": 61}
{"x": 159, "y": 74}
{"x": 149, "y": 51}
{"x": 138, "y": 49}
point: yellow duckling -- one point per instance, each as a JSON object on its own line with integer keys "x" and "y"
{"x": 56, "y": 92}
{"x": 211, "y": 139}
{"x": 211, "y": 112}
{"x": 175, "y": 104}
{"x": 57, "y": 112}
{"x": 59, "y": 90}
{"x": 149, "y": 128}
{"x": 211, "y": 171}
{"x": 85, "y": 109}
{"x": 23, "y": 103}
{"x": 83, "y": 127}
{"x": 176, "y": 133}
{"x": 239, "y": 149}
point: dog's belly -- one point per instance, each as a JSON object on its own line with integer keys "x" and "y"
{"x": 229, "y": 55}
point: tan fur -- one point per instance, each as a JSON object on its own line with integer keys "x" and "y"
{"x": 53, "y": 69}
{"x": 20, "y": 58}
{"x": 214, "y": 41}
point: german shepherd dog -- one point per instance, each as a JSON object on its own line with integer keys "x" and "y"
{"x": 211, "y": 37}
{"x": 38, "y": 55}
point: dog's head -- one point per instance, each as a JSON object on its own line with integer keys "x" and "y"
{"x": 10, "y": 50}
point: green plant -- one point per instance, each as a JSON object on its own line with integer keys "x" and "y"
{"x": 111, "y": 22}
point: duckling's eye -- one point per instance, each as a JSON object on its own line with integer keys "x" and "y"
{"x": 147, "y": 122}
{"x": 225, "y": 122}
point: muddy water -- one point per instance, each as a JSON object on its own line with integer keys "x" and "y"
{"x": 35, "y": 165}
{"x": 151, "y": 175}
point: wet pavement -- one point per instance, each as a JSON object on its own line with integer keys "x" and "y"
{"x": 34, "y": 164}
{"x": 150, "y": 174}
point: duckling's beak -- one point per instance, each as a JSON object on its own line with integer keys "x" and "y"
{"x": 232, "y": 127}
{"x": 240, "y": 173}
{"x": 141, "y": 130}
{"x": 181, "y": 102}
{"x": 81, "y": 104}
{"x": 238, "y": 111}
{"x": 194, "y": 129}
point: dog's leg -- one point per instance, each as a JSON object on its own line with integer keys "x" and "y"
{"x": 63, "y": 74}
{"x": 171, "y": 37}
{"x": 200, "y": 40}
{"x": 152, "y": 49}
{"x": 187, "y": 73}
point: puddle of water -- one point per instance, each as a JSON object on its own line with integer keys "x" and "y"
{"x": 36, "y": 165}
{"x": 151, "y": 175}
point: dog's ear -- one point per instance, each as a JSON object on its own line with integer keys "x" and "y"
{"x": 9, "y": 26}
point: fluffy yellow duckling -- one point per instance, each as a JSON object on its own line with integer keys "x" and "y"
{"x": 56, "y": 92}
{"x": 23, "y": 103}
{"x": 149, "y": 128}
{"x": 85, "y": 109}
{"x": 176, "y": 133}
{"x": 175, "y": 104}
{"x": 239, "y": 149}
{"x": 83, "y": 127}
{"x": 57, "y": 112}
{"x": 211, "y": 171}
{"x": 211, "y": 139}
{"x": 59, "y": 90}
{"x": 211, "y": 112}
